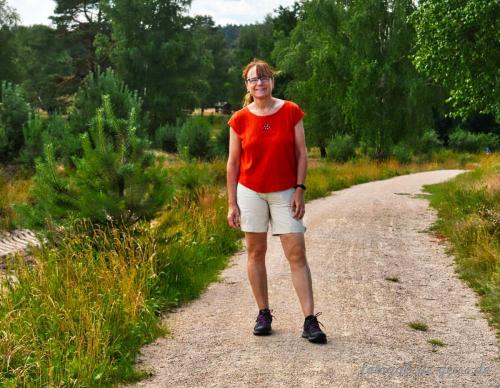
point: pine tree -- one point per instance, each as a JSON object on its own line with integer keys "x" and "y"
{"x": 117, "y": 180}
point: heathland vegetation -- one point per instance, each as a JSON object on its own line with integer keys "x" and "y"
{"x": 102, "y": 155}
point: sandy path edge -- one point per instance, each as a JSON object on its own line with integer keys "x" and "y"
{"x": 355, "y": 239}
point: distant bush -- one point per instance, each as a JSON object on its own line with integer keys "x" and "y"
{"x": 341, "y": 148}
{"x": 14, "y": 114}
{"x": 33, "y": 139}
{"x": 221, "y": 146}
{"x": 403, "y": 153}
{"x": 428, "y": 142}
{"x": 39, "y": 131}
{"x": 166, "y": 137}
{"x": 193, "y": 139}
{"x": 464, "y": 141}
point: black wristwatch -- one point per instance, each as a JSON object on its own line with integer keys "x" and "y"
{"x": 303, "y": 187}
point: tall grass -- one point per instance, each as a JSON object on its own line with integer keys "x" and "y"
{"x": 14, "y": 187}
{"x": 79, "y": 316}
{"x": 469, "y": 215}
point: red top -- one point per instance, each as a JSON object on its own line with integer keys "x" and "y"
{"x": 267, "y": 160}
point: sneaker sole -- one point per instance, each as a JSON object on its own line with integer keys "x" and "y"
{"x": 262, "y": 333}
{"x": 321, "y": 339}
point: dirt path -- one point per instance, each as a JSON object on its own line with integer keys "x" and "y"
{"x": 355, "y": 239}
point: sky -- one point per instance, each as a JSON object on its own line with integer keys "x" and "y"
{"x": 222, "y": 11}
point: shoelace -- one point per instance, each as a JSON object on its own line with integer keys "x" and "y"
{"x": 265, "y": 318}
{"x": 314, "y": 323}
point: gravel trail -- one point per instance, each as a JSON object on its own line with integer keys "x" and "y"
{"x": 355, "y": 239}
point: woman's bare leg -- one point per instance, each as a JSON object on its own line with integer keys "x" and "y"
{"x": 295, "y": 251}
{"x": 256, "y": 267}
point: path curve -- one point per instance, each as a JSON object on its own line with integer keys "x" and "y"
{"x": 355, "y": 239}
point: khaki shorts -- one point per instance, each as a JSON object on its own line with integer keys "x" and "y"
{"x": 257, "y": 209}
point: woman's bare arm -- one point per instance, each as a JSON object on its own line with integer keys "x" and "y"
{"x": 298, "y": 204}
{"x": 233, "y": 171}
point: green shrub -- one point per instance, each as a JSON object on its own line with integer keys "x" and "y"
{"x": 428, "y": 142}
{"x": 33, "y": 139}
{"x": 221, "y": 146}
{"x": 341, "y": 148}
{"x": 89, "y": 98}
{"x": 403, "y": 153}
{"x": 55, "y": 129}
{"x": 193, "y": 140}
{"x": 65, "y": 141}
{"x": 166, "y": 137}
{"x": 14, "y": 114}
{"x": 464, "y": 141}
{"x": 117, "y": 179}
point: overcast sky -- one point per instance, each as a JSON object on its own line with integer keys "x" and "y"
{"x": 222, "y": 11}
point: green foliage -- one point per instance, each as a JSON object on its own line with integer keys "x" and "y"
{"x": 79, "y": 23}
{"x": 165, "y": 61}
{"x": 341, "y": 148}
{"x": 166, "y": 137}
{"x": 428, "y": 142}
{"x": 43, "y": 62}
{"x": 211, "y": 39}
{"x": 33, "y": 138}
{"x": 351, "y": 72}
{"x": 116, "y": 180}
{"x": 461, "y": 140}
{"x": 90, "y": 97}
{"x": 8, "y": 20}
{"x": 403, "y": 153}
{"x": 55, "y": 130}
{"x": 221, "y": 144}
{"x": 14, "y": 113}
{"x": 193, "y": 139}
{"x": 457, "y": 45}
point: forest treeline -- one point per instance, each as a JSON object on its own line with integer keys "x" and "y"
{"x": 385, "y": 75}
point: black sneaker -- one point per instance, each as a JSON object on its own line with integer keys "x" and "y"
{"x": 312, "y": 331}
{"x": 263, "y": 325}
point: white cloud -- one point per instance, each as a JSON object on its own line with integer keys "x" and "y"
{"x": 222, "y": 11}
{"x": 237, "y": 11}
{"x": 33, "y": 11}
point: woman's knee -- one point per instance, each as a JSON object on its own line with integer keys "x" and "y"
{"x": 256, "y": 244}
{"x": 297, "y": 256}
{"x": 257, "y": 252}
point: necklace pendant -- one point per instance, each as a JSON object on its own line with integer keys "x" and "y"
{"x": 267, "y": 127}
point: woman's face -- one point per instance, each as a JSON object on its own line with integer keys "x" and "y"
{"x": 259, "y": 88}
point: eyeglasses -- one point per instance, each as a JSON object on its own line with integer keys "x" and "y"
{"x": 254, "y": 81}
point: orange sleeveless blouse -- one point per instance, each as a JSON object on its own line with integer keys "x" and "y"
{"x": 267, "y": 161}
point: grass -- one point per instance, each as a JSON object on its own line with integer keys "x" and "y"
{"x": 80, "y": 317}
{"x": 436, "y": 343}
{"x": 469, "y": 217}
{"x": 417, "y": 325}
{"x": 95, "y": 296}
{"x": 14, "y": 187}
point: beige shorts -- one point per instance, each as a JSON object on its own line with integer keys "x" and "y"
{"x": 258, "y": 209}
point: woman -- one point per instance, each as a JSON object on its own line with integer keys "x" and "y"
{"x": 266, "y": 172}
